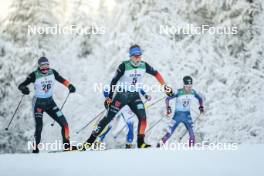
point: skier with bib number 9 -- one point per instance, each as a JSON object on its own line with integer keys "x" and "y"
{"x": 44, "y": 79}
{"x": 127, "y": 82}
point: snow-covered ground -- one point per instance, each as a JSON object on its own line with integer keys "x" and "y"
{"x": 246, "y": 161}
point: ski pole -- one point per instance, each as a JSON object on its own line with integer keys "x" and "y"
{"x": 14, "y": 113}
{"x": 155, "y": 102}
{"x": 159, "y": 119}
{"x": 120, "y": 131}
{"x": 185, "y": 132}
{"x": 154, "y": 125}
{"x": 52, "y": 124}
{"x": 98, "y": 115}
{"x": 147, "y": 107}
{"x": 96, "y": 123}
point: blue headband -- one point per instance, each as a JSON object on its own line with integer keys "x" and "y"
{"x": 135, "y": 51}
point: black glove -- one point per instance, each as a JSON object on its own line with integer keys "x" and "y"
{"x": 71, "y": 88}
{"x": 107, "y": 102}
{"x": 168, "y": 90}
{"x": 147, "y": 97}
{"x": 24, "y": 90}
{"x": 201, "y": 108}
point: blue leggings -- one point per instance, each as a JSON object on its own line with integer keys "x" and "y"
{"x": 181, "y": 117}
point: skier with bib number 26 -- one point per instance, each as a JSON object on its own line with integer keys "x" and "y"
{"x": 182, "y": 110}
{"x": 44, "y": 79}
{"x": 129, "y": 78}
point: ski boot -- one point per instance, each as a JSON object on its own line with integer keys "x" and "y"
{"x": 36, "y": 150}
{"x": 128, "y": 146}
{"x": 161, "y": 143}
{"x": 86, "y": 146}
{"x": 97, "y": 144}
{"x": 144, "y": 145}
{"x": 141, "y": 143}
{"x": 70, "y": 148}
{"x": 158, "y": 145}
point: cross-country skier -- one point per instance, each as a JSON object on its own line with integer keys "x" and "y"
{"x": 127, "y": 115}
{"x": 182, "y": 110}
{"x": 129, "y": 76}
{"x": 44, "y": 79}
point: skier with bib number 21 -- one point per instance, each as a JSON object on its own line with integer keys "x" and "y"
{"x": 182, "y": 113}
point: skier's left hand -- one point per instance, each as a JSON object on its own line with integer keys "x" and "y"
{"x": 201, "y": 108}
{"x": 71, "y": 88}
{"x": 147, "y": 97}
{"x": 107, "y": 102}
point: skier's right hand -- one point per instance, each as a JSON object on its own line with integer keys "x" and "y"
{"x": 201, "y": 108}
{"x": 24, "y": 90}
{"x": 107, "y": 102}
{"x": 168, "y": 90}
{"x": 168, "y": 110}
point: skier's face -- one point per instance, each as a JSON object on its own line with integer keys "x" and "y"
{"x": 136, "y": 59}
{"x": 187, "y": 87}
{"x": 44, "y": 68}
